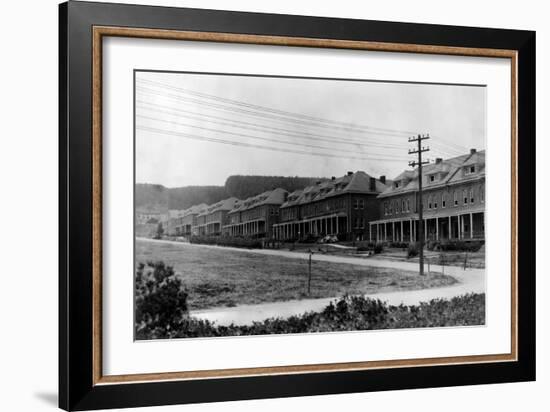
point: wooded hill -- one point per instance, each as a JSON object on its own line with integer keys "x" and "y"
{"x": 157, "y": 198}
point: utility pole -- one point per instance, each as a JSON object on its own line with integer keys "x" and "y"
{"x": 419, "y": 150}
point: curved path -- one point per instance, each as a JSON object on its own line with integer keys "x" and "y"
{"x": 469, "y": 281}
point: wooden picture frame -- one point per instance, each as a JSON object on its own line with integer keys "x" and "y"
{"x": 83, "y": 26}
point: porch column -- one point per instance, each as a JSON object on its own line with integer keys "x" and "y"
{"x": 393, "y": 231}
{"x": 437, "y": 228}
{"x": 450, "y": 229}
{"x": 425, "y": 230}
{"x": 410, "y": 230}
{"x": 402, "y": 232}
{"x": 461, "y": 226}
{"x": 471, "y": 225}
{"x": 370, "y": 232}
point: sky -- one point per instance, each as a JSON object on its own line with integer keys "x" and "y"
{"x": 198, "y": 129}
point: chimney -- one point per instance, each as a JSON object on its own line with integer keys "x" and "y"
{"x": 350, "y": 173}
{"x": 372, "y": 184}
{"x": 438, "y": 160}
{"x": 383, "y": 180}
{"x": 472, "y": 151}
{"x": 333, "y": 178}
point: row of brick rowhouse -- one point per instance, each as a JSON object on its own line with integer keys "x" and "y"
{"x": 355, "y": 206}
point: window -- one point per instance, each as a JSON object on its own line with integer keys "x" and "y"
{"x": 435, "y": 201}
{"x": 482, "y": 193}
{"x": 430, "y": 202}
{"x": 396, "y": 184}
{"x": 455, "y": 197}
{"x": 444, "y": 200}
{"x": 356, "y": 203}
{"x": 465, "y": 196}
{"x": 468, "y": 170}
{"x": 472, "y": 195}
{"x": 361, "y": 204}
{"x": 362, "y": 223}
{"x": 408, "y": 205}
{"x": 403, "y": 206}
{"x": 431, "y": 178}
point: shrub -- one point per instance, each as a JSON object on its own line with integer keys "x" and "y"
{"x": 432, "y": 245}
{"x": 309, "y": 238}
{"x": 378, "y": 248}
{"x": 412, "y": 250}
{"x": 349, "y": 313}
{"x": 243, "y": 242}
{"x": 461, "y": 246}
{"x": 161, "y": 300}
{"x": 400, "y": 245}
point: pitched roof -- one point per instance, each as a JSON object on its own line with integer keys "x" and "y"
{"x": 225, "y": 204}
{"x": 449, "y": 171}
{"x": 272, "y": 197}
{"x": 358, "y": 182}
{"x": 193, "y": 210}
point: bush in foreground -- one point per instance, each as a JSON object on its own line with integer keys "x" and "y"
{"x": 161, "y": 300}
{"x": 345, "y": 314}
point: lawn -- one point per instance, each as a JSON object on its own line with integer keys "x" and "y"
{"x": 215, "y": 277}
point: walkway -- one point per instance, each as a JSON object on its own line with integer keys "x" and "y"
{"x": 469, "y": 281}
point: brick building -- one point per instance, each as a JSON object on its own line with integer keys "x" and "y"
{"x": 255, "y": 216}
{"x": 341, "y": 206}
{"x": 213, "y": 218}
{"x": 453, "y": 194}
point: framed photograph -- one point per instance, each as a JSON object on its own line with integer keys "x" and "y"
{"x": 256, "y": 206}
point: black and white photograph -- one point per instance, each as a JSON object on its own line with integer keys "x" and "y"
{"x": 283, "y": 205}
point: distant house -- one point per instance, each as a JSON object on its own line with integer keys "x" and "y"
{"x": 181, "y": 222}
{"x": 341, "y": 206}
{"x": 453, "y": 195}
{"x": 148, "y": 217}
{"x": 213, "y": 218}
{"x": 255, "y": 216}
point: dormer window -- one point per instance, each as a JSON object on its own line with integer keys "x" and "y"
{"x": 396, "y": 184}
{"x": 468, "y": 170}
{"x": 431, "y": 178}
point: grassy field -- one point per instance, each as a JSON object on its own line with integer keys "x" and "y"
{"x": 216, "y": 277}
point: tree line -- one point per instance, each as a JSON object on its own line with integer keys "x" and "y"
{"x": 153, "y": 197}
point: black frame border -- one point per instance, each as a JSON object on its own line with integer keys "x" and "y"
{"x": 76, "y": 388}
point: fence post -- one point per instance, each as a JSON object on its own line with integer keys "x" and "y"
{"x": 309, "y": 273}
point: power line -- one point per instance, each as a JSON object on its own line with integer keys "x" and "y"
{"x": 256, "y": 146}
{"x": 450, "y": 146}
{"x": 272, "y": 110}
{"x": 262, "y": 115}
{"x": 250, "y": 136}
{"x": 263, "y": 128}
